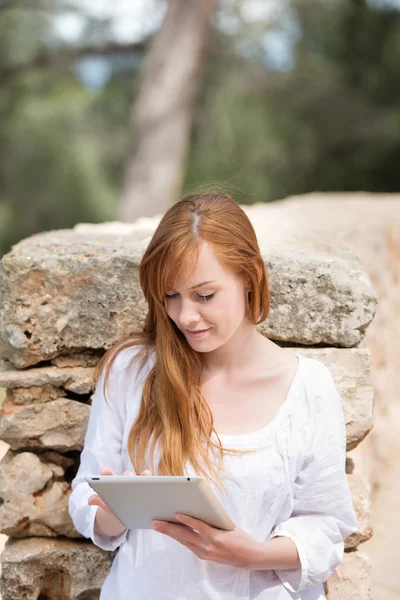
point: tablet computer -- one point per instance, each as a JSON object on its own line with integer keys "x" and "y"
{"x": 137, "y": 500}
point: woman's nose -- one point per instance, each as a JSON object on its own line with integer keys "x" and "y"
{"x": 188, "y": 315}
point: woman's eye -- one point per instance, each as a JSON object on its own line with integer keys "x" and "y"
{"x": 203, "y": 298}
{"x": 206, "y": 297}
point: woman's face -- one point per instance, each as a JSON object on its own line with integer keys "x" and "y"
{"x": 217, "y": 306}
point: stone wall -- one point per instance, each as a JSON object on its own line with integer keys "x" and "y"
{"x": 67, "y": 296}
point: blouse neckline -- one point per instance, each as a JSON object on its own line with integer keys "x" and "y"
{"x": 254, "y": 436}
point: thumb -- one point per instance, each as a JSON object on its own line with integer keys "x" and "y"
{"x": 95, "y": 500}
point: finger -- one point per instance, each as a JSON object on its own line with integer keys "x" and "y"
{"x": 95, "y": 500}
{"x": 195, "y": 524}
{"x": 180, "y": 533}
{"x": 128, "y": 473}
{"x": 106, "y": 471}
{"x": 146, "y": 472}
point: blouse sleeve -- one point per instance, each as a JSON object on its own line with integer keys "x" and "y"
{"x": 102, "y": 446}
{"x": 323, "y": 514}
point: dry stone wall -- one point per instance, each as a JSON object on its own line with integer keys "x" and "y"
{"x": 67, "y": 296}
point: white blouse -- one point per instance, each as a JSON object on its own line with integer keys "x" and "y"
{"x": 294, "y": 485}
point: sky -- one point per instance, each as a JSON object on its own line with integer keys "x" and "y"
{"x": 133, "y": 20}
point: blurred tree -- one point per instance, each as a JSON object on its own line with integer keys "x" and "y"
{"x": 163, "y": 110}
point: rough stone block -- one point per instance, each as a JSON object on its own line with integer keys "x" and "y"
{"x": 352, "y": 578}
{"x": 74, "y": 379}
{"x": 34, "y": 395}
{"x": 62, "y": 291}
{"x": 34, "y": 495}
{"x": 59, "y": 424}
{"x": 85, "y": 358}
{"x": 361, "y": 492}
{"x": 53, "y": 569}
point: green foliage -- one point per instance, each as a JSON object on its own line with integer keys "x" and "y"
{"x": 329, "y": 122}
{"x": 62, "y": 144}
{"x": 51, "y": 174}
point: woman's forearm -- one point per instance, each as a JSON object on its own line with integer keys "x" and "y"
{"x": 277, "y": 553}
{"x": 106, "y": 523}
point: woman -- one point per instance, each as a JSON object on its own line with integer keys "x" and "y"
{"x": 200, "y": 391}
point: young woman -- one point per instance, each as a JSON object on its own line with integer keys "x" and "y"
{"x": 200, "y": 391}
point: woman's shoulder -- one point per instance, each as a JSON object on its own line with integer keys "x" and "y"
{"x": 318, "y": 383}
{"x": 324, "y": 406}
{"x": 128, "y": 361}
{"x": 322, "y": 394}
{"x": 315, "y": 369}
{"x": 133, "y": 355}
{"x": 126, "y": 355}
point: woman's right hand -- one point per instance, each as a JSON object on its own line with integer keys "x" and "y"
{"x": 106, "y": 523}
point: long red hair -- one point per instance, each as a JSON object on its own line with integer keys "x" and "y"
{"x": 173, "y": 410}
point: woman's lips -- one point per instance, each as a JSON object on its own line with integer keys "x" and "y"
{"x": 196, "y": 334}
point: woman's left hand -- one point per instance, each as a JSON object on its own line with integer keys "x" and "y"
{"x": 236, "y": 548}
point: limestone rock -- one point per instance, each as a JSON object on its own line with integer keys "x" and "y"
{"x": 351, "y": 580}
{"x": 64, "y": 290}
{"x": 142, "y": 227}
{"x": 73, "y": 379}
{"x": 318, "y": 298}
{"x": 34, "y": 395}
{"x": 361, "y": 492}
{"x": 53, "y": 569}
{"x": 86, "y": 358}
{"x": 59, "y": 424}
{"x": 34, "y": 497}
{"x": 65, "y": 462}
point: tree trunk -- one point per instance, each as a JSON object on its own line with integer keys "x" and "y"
{"x": 163, "y": 110}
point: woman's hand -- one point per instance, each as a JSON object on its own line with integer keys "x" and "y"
{"x": 106, "y": 523}
{"x": 236, "y": 548}
{"x": 95, "y": 499}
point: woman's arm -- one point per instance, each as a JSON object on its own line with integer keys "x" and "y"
{"x": 278, "y": 553}
{"x": 323, "y": 513}
{"x": 102, "y": 446}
